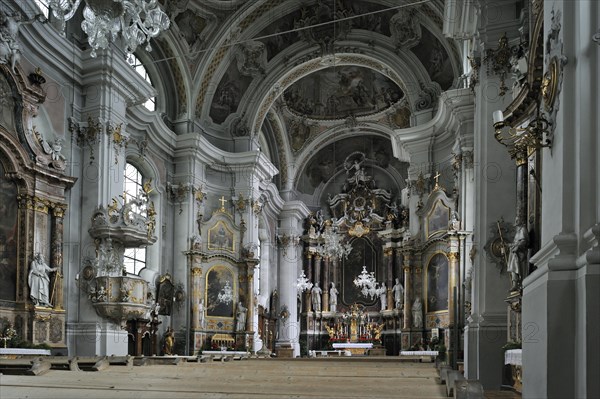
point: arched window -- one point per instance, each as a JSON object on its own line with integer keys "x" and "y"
{"x": 135, "y": 258}
{"x": 135, "y": 62}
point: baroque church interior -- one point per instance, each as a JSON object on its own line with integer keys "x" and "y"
{"x": 296, "y": 178}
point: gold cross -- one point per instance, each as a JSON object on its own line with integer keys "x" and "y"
{"x": 222, "y": 201}
{"x": 436, "y": 177}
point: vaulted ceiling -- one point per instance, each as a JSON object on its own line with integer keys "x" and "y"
{"x": 287, "y": 75}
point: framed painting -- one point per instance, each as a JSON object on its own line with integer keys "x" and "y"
{"x": 436, "y": 283}
{"x": 220, "y": 292}
{"x": 220, "y": 237}
{"x": 437, "y": 219}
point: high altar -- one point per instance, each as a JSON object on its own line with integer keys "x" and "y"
{"x": 380, "y": 270}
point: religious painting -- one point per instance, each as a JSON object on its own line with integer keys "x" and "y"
{"x": 166, "y": 292}
{"x": 436, "y": 283}
{"x": 363, "y": 254}
{"x": 220, "y": 237}
{"x": 229, "y": 93}
{"x": 438, "y": 219}
{"x": 220, "y": 292}
{"x": 8, "y": 238}
{"x": 336, "y": 92}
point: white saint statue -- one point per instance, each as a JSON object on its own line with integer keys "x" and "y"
{"x": 316, "y": 297}
{"x": 417, "y": 313}
{"x": 382, "y": 292}
{"x": 241, "y": 317}
{"x": 518, "y": 255}
{"x": 333, "y": 298}
{"x": 201, "y": 314}
{"x": 39, "y": 282}
{"x": 398, "y": 291}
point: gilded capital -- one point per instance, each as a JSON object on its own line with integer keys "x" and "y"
{"x": 58, "y": 210}
{"x": 197, "y": 272}
{"x": 453, "y": 256}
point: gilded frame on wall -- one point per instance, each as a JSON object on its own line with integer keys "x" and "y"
{"x": 440, "y": 283}
{"x": 437, "y": 219}
{"x": 215, "y": 283}
{"x": 220, "y": 237}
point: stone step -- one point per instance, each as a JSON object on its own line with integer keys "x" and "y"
{"x": 35, "y": 366}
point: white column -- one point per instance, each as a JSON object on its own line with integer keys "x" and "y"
{"x": 290, "y": 261}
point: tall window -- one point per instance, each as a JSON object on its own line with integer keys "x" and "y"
{"x": 150, "y": 104}
{"x": 135, "y": 258}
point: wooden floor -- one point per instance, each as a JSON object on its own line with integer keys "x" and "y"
{"x": 258, "y": 378}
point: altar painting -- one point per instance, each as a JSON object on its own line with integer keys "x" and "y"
{"x": 436, "y": 289}
{"x": 363, "y": 254}
{"x": 8, "y": 238}
{"x": 219, "y": 283}
{"x": 438, "y": 219}
{"x": 220, "y": 237}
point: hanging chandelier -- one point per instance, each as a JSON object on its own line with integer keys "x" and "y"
{"x": 137, "y": 21}
{"x": 332, "y": 245}
{"x": 226, "y": 294}
{"x": 303, "y": 284}
{"x": 367, "y": 284}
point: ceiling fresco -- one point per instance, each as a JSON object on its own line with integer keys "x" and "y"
{"x": 328, "y": 161}
{"x": 337, "y": 92}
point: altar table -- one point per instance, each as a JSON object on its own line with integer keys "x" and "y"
{"x": 355, "y": 348}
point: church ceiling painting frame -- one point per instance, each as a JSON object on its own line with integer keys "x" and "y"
{"x": 437, "y": 219}
{"x": 436, "y": 285}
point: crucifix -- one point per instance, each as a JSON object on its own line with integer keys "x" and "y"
{"x": 436, "y": 177}
{"x": 223, "y": 201}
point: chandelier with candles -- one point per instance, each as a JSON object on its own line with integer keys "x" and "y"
{"x": 367, "y": 284}
{"x": 136, "y": 21}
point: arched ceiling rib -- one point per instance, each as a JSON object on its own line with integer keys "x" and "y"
{"x": 238, "y": 61}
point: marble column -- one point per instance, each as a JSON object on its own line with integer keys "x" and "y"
{"x": 196, "y": 288}
{"x": 58, "y": 214}
{"x": 317, "y": 264}
{"x": 453, "y": 257}
{"x": 290, "y": 262}
{"x": 251, "y": 264}
{"x": 326, "y": 262}
{"x": 388, "y": 259}
{"x": 308, "y": 267}
{"x": 407, "y": 290}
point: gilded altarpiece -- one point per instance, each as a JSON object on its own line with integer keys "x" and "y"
{"x": 221, "y": 276}
{"x": 32, "y": 212}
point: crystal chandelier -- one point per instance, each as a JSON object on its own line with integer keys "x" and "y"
{"x": 303, "y": 284}
{"x": 226, "y": 294}
{"x": 136, "y": 20}
{"x": 333, "y": 246}
{"x": 367, "y": 284}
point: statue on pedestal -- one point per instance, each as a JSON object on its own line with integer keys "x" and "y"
{"x": 241, "y": 317}
{"x": 398, "y": 291}
{"x": 518, "y": 255}
{"x": 382, "y": 292}
{"x": 169, "y": 341}
{"x": 39, "y": 282}
{"x": 333, "y": 298}
{"x": 417, "y": 313}
{"x": 316, "y": 297}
